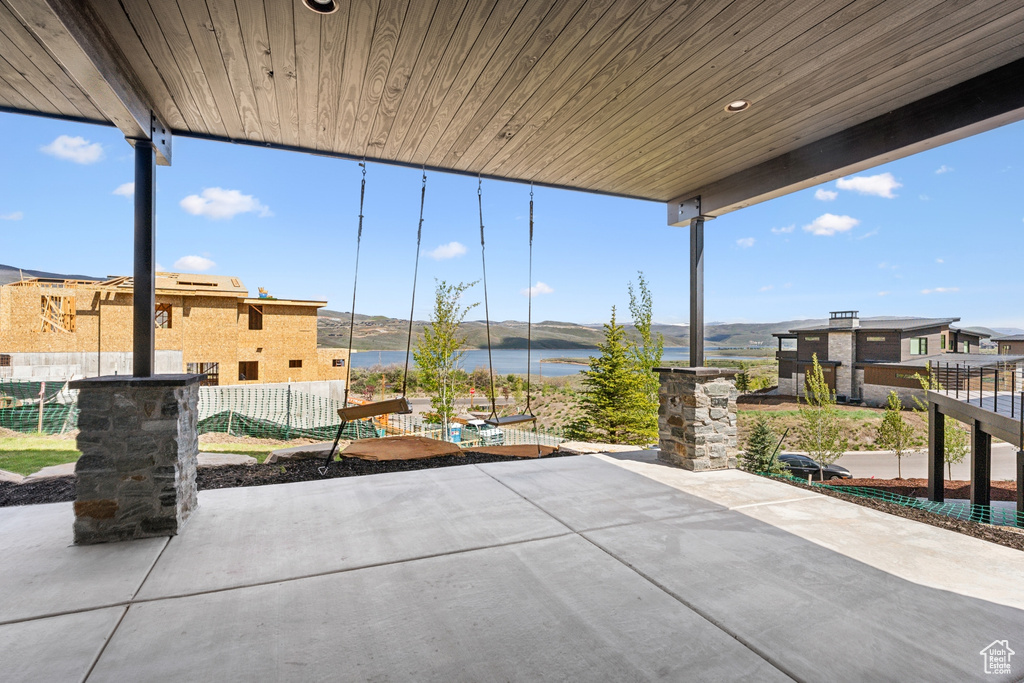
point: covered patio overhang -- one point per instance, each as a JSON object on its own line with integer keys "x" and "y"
{"x": 706, "y": 106}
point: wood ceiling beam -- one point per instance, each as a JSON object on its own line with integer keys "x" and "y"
{"x": 979, "y": 104}
{"x": 77, "y": 38}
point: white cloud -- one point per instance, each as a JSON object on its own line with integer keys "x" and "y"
{"x": 829, "y": 224}
{"x": 785, "y": 230}
{"x": 76, "y": 149}
{"x": 13, "y": 216}
{"x": 125, "y": 190}
{"x": 746, "y": 242}
{"x": 940, "y": 260}
{"x": 885, "y": 265}
{"x": 218, "y": 203}
{"x": 943, "y": 169}
{"x": 539, "y": 288}
{"x": 940, "y": 290}
{"x": 160, "y": 268}
{"x": 883, "y": 294}
{"x": 193, "y": 264}
{"x": 868, "y": 234}
{"x": 924, "y": 198}
{"x": 825, "y": 195}
{"x": 767, "y": 288}
{"x": 446, "y": 251}
{"x": 787, "y": 285}
{"x": 880, "y": 185}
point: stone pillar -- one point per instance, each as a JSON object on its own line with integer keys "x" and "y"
{"x": 137, "y": 474}
{"x": 697, "y": 418}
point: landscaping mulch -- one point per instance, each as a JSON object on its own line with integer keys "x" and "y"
{"x": 918, "y": 488}
{"x": 62, "y": 489}
{"x": 1002, "y": 535}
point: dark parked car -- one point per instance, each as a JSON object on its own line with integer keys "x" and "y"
{"x": 801, "y": 466}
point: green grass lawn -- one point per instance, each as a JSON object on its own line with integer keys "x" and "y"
{"x": 32, "y": 452}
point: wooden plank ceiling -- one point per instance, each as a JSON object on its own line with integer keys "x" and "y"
{"x": 619, "y": 96}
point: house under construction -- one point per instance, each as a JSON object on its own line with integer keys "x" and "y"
{"x": 57, "y": 329}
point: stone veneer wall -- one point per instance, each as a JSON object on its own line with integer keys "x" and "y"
{"x": 841, "y": 347}
{"x": 697, "y": 418}
{"x": 139, "y": 441}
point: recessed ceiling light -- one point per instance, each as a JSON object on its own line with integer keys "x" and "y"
{"x": 738, "y": 105}
{"x": 321, "y": 6}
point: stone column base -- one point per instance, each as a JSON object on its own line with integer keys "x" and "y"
{"x": 139, "y": 442}
{"x": 697, "y": 418}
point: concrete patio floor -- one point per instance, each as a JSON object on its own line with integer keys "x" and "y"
{"x": 592, "y": 567}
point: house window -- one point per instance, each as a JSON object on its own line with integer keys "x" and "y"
{"x": 5, "y": 359}
{"x": 211, "y": 370}
{"x": 919, "y": 346}
{"x": 58, "y": 313}
{"x": 338, "y": 363}
{"x": 876, "y": 339}
{"x": 295, "y": 363}
{"x": 163, "y": 316}
{"x": 1006, "y": 349}
{"x": 810, "y": 339}
{"x": 248, "y": 370}
{"x": 255, "y": 317}
{"x": 965, "y": 347}
{"x": 942, "y": 342}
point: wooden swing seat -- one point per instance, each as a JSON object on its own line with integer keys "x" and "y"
{"x": 392, "y": 405}
{"x": 510, "y": 420}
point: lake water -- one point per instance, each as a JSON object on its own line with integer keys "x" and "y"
{"x": 508, "y": 361}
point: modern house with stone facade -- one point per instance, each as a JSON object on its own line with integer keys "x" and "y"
{"x": 56, "y": 329}
{"x": 864, "y": 359}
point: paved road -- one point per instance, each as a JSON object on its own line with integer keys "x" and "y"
{"x": 882, "y": 464}
{"x": 422, "y": 405}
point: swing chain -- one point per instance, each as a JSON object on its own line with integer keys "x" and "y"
{"x": 487, "y": 312}
{"x": 415, "y": 273}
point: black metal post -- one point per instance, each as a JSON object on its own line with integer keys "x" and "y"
{"x": 958, "y": 381}
{"x": 1020, "y": 458}
{"x": 981, "y": 465}
{"x": 144, "y": 289}
{"x": 995, "y": 384}
{"x": 936, "y": 453}
{"x": 697, "y": 293}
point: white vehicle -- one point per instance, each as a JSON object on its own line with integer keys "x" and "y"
{"x": 489, "y": 435}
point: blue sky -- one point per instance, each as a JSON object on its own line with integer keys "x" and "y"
{"x": 936, "y": 234}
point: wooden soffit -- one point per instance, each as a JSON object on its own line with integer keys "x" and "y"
{"x": 624, "y": 97}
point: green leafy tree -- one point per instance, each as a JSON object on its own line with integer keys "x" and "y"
{"x": 760, "y": 455}
{"x": 439, "y": 350}
{"x": 894, "y": 433}
{"x": 743, "y": 381}
{"x": 958, "y": 443}
{"x": 614, "y": 399}
{"x": 821, "y": 426}
{"x": 646, "y": 355}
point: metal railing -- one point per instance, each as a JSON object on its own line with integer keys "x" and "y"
{"x": 980, "y": 383}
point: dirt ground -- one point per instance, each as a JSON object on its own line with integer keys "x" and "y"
{"x": 915, "y": 488}
{"x": 62, "y": 489}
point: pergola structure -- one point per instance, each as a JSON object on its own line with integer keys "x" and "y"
{"x": 706, "y": 105}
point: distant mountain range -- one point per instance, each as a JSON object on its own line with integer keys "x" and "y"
{"x": 9, "y": 274}
{"x": 380, "y": 333}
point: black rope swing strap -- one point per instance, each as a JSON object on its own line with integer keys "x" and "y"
{"x": 493, "y": 419}
{"x": 396, "y": 405}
